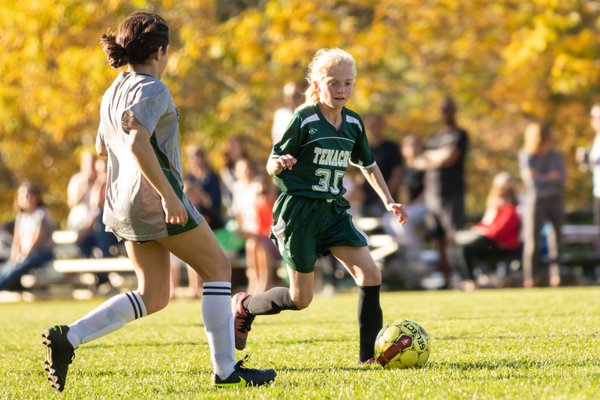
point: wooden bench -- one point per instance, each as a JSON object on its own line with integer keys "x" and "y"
{"x": 78, "y": 276}
{"x": 64, "y": 244}
{"x": 580, "y": 246}
{"x": 93, "y": 265}
{"x": 70, "y": 273}
{"x": 581, "y": 252}
{"x": 70, "y": 270}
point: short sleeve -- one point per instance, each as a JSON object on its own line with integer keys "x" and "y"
{"x": 152, "y": 102}
{"x": 291, "y": 140}
{"x": 362, "y": 155}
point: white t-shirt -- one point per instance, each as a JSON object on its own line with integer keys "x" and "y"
{"x": 244, "y": 204}
{"x": 79, "y": 213}
{"x": 281, "y": 119}
{"x": 595, "y": 162}
{"x": 133, "y": 208}
{"x": 29, "y": 224}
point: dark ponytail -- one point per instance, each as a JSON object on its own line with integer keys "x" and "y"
{"x": 137, "y": 38}
{"x": 115, "y": 53}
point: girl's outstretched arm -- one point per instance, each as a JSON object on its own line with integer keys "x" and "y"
{"x": 375, "y": 178}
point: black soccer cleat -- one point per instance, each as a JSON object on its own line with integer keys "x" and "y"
{"x": 59, "y": 354}
{"x": 245, "y": 377}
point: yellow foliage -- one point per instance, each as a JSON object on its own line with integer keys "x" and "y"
{"x": 505, "y": 61}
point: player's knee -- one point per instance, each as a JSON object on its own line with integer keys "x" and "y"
{"x": 219, "y": 271}
{"x": 372, "y": 276}
{"x": 156, "y": 301}
{"x": 302, "y": 301}
{"x": 221, "y": 275}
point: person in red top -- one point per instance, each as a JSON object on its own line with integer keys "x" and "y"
{"x": 268, "y": 257}
{"x": 252, "y": 203}
{"x": 497, "y": 232}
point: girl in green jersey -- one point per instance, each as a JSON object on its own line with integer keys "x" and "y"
{"x": 311, "y": 215}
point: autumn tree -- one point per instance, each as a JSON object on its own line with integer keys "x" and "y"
{"x": 506, "y": 62}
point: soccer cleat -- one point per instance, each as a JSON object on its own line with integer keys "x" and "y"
{"x": 241, "y": 377}
{"x": 242, "y": 320}
{"x": 59, "y": 354}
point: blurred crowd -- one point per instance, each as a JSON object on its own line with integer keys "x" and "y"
{"x": 440, "y": 243}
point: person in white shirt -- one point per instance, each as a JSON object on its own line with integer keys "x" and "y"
{"x": 293, "y": 96}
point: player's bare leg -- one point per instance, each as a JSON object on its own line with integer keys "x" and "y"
{"x": 200, "y": 250}
{"x": 246, "y": 307}
{"x": 151, "y": 263}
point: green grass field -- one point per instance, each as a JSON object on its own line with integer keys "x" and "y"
{"x": 488, "y": 344}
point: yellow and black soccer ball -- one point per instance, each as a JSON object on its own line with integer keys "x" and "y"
{"x": 402, "y": 344}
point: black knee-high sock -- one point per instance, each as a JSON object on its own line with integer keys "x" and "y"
{"x": 273, "y": 301}
{"x": 370, "y": 319}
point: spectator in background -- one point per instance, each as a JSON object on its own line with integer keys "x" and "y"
{"x": 353, "y": 181}
{"x": 389, "y": 160}
{"x": 543, "y": 172}
{"x": 497, "y": 232}
{"x": 92, "y": 234}
{"x": 589, "y": 159}
{"x": 6, "y": 231}
{"x": 594, "y": 160}
{"x": 443, "y": 161}
{"x": 293, "y": 96}
{"x": 412, "y": 196}
{"x": 32, "y": 244}
{"x": 268, "y": 258}
{"x": 202, "y": 186}
{"x": 79, "y": 192}
{"x": 208, "y": 194}
{"x": 194, "y": 290}
{"x": 253, "y": 200}
{"x": 92, "y": 238}
{"x": 233, "y": 150}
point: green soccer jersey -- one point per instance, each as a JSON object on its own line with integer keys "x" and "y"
{"x": 323, "y": 153}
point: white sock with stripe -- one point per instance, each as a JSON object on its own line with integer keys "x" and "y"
{"x": 218, "y": 325}
{"x": 108, "y": 317}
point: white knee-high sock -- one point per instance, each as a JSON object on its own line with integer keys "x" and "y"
{"x": 218, "y": 324}
{"x": 108, "y": 317}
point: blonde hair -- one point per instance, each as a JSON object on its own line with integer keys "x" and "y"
{"x": 321, "y": 63}
{"x": 503, "y": 187}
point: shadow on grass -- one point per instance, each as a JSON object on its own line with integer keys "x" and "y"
{"x": 142, "y": 345}
{"x": 265, "y": 322}
{"x": 203, "y": 343}
{"x": 331, "y": 369}
{"x": 512, "y": 364}
{"x": 520, "y": 336}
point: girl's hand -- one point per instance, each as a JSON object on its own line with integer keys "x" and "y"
{"x": 286, "y": 161}
{"x": 278, "y": 164}
{"x": 398, "y": 210}
{"x": 175, "y": 212}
